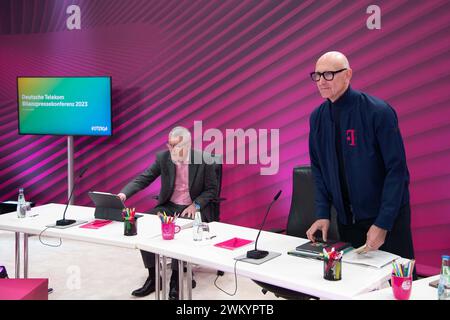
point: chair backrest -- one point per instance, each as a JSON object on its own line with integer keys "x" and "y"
{"x": 213, "y": 208}
{"x": 216, "y": 204}
{"x": 218, "y": 170}
{"x": 302, "y": 212}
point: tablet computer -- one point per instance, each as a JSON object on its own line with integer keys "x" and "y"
{"x": 108, "y": 206}
{"x": 106, "y": 200}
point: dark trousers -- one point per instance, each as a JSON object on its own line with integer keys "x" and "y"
{"x": 398, "y": 241}
{"x": 170, "y": 209}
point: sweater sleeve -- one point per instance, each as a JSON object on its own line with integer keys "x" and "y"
{"x": 322, "y": 197}
{"x": 393, "y": 153}
{"x": 143, "y": 180}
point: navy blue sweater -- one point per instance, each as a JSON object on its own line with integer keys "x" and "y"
{"x": 374, "y": 160}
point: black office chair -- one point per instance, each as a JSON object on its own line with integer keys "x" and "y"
{"x": 215, "y": 203}
{"x": 301, "y": 217}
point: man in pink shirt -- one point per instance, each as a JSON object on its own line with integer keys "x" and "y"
{"x": 185, "y": 185}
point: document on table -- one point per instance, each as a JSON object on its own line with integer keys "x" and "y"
{"x": 377, "y": 259}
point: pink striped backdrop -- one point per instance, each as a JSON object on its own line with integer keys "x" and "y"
{"x": 232, "y": 64}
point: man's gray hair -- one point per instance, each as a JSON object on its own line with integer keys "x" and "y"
{"x": 181, "y": 132}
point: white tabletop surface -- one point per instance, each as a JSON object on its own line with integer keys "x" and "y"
{"x": 148, "y": 227}
{"x": 300, "y": 274}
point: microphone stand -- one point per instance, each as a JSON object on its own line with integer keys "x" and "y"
{"x": 259, "y": 254}
{"x": 64, "y": 221}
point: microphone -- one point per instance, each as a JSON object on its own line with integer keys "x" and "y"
{"x": 64, "y": 221}
{"x": 259, "y": 254}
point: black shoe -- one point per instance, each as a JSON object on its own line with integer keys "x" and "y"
{"x": 173, "y": 292}
{"x": 147, "y": 288}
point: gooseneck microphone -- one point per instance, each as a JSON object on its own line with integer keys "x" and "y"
{"x": 259, "y": 254}
{"x": 64, "y": 221}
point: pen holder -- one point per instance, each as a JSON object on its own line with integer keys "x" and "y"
{"x": 401, "y": 287}
{"x": 168, "y": 230}
{"x": 129, "y": 227}
{"x": 332, "y": 269}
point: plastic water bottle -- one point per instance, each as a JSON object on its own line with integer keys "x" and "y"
{"x": 444, "y": 280}
{"x": 21, "y": 205}
{"x": 197, "y": 225}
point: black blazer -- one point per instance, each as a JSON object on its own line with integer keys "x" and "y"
{"x": 203, "y": 185}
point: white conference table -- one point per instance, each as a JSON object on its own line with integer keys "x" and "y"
{"x": 149, "y": 226}
{"x": 299, "y": 274}
{"x": 295, "y": 273}
{"x": 421, "y": 290}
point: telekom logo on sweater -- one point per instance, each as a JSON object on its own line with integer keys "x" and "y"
{"x": 351, "y": 138}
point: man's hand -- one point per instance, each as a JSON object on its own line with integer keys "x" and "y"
{"x": 122, "y": 197}
{"x": 321, "y": 224}
{"x": 189, "y": 211}
{"x": 375, "y": 238}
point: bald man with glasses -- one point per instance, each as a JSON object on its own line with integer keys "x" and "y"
{"x": 358, "y": 162}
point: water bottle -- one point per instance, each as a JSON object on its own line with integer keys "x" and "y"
{"x": 444, "y": 280}
{"x": 197, "y": 225}
{"x": 21, "y": 205}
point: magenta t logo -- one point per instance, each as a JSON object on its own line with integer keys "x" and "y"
{"x": 351, "y": 138}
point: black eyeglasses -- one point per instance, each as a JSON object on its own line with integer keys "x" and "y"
{"x": 327, "y": 75}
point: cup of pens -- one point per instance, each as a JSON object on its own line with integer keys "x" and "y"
{"x": 129, "y": 222}
{"x": 401, "y": 279}
{"x": 332, "y": 265}
{"x": 168, "y": 226}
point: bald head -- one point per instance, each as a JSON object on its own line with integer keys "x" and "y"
{"x": 334, "y": 58}
{"x": 333, "y": 61}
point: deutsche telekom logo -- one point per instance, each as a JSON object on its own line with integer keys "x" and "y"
{"x": 351, "y": 138}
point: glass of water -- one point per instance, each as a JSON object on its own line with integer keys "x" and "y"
{"x": 205, "y": 231}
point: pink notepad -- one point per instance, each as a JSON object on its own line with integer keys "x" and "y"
{"x": 96, "y": 224}
{"x": 233, "y": 243}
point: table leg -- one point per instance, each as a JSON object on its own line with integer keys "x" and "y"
{"x": 180, "y": 280}
{"x": 157, "y": 273}
{"x": 17, "y": 259}
{"x": 164, "y": 282}
{"x": 25, "y": 255}
{"x": 189, "y": 281}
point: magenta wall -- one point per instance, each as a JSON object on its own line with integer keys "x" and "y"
{"x": 231, "y": 64}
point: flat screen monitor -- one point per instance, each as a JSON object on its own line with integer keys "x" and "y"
{"x": 72, "y": 106}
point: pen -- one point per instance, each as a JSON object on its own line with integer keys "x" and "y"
{"x": 347, "y": 249}
{"x": 360, "y": 249}
{"x": 412, "y": 266}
